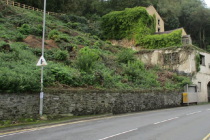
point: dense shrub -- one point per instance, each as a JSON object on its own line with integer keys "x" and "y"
{"x": 82, "y": 41}
{"x": 73, "y": 18}
{"x": 18, "y": 70}
{"x": 19, "y": 37}
{"x": 54, "y": 34}
{"x": 134, "y": 68}
{"x": 72, "y": 25}
{"x": 61, "y": 55}
{"x": 65, "y": 75}
{"x": 2, "y": 43}
{"x": 125, "y": 56}
{"x": 58, "y": 36}
{"x": 87, "y": 58}
{"x": 27, "y": 29}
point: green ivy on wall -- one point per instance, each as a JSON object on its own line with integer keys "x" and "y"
{"x": 125, "y": 24}
{"x": 161, "y": 41}
{"x": 197, "y": 62}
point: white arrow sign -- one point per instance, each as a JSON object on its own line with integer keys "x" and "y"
{"x": 41, "y": 62}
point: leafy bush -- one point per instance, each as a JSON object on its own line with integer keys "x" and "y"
{"x": 72, "y": 25}
{"x": 61, "y": 55}
{"x": 36, "y": 30}
{"x": 126, "y": 55}
{"x": 73, "y": 18}
{"x": 2, "y": 43}
{"x": 54, "y": 34}
{"x": 57, "y": 36}
{"x": 87, "y": 58}
{"x": 65, "y": 75}
{"x": 25, "y": 29}
{"x": 82, "y": 41}
{"x": 148, "y": 79}
{"x": 181, "y": 80}
{"x": 134, "y": 68}
{"x": 19, "y": 37}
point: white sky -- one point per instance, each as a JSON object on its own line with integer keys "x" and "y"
{"x": 208, "y": 3}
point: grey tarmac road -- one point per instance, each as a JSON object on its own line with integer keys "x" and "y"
{"x": 182, "y": 123}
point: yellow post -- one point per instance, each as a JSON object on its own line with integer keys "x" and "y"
{"x": 185, "y": 98}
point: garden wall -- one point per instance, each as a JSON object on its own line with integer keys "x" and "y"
{"x": 81, "y": 102}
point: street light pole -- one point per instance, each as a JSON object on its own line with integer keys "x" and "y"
{"x": 42, "y": 67}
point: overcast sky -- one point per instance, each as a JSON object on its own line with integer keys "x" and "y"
{"x": 208, "y": 3}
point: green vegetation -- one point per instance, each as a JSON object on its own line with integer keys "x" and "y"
{"x": 76, "y": 57}
{"x": 132, "y": 21}
{"x": 138, "y": 24}
{"x": 197, "y": 62}
{"x": 161, "y": 41}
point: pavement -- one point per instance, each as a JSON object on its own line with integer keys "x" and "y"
{"x": 182, "y": 123}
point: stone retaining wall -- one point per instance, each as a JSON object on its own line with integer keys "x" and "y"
{"x": 84, "y": 102}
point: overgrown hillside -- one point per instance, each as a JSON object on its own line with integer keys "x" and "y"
{"x": 76, "y": 57}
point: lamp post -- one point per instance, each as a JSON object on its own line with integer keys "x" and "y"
{"x": 42, "y": 60}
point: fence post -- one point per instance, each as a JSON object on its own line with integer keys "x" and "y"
{"x": 33, "y": 8}
{"x": 7, "y": 2}
{"x": 13, "y": 3}
{"x": 24, "y": 6}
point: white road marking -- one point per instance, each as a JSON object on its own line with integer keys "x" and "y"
{"x": 167, "y": 120}
{"x": 119, "y": 134}
{"x": 208, "y": 110}
{"x": 193, "y": 113}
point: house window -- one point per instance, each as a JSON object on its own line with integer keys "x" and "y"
{"x": 199, "y": 86}
{"x": 171, "y": 58}
{"x": 158, "y": 29}
{"x": 202, "y": 60}
{"x": 158, "y": 21}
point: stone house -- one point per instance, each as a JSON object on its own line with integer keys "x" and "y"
{"x": 159, "y": 21}
{"x": 186, "y": 39}
{"x": 185, "y": 61}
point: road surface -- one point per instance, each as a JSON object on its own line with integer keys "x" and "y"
{"x": 182, "y": 123}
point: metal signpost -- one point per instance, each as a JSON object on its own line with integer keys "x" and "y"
{"x": 42, "y": 62}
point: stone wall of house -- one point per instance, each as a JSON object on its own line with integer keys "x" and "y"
{"x": 66, "y": 102}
